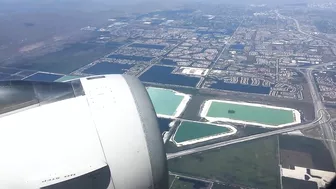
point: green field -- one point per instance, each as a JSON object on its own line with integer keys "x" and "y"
{"x": 179, "y": 184}
{"x": 261, "y": 115}
{"x": 171, "y": 179}
{"x": 164, "y": 100}
{"x": 184, "y": 183}
{"x": 219, "y": 186}
{"x": 69, "y": 59}
{"x": 252, "y": 164}
{"x": 192, "y": 130}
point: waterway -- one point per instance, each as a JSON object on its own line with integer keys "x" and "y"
{"x": 129, "y": 57}
{"x": 228, "y": 31}
{"x": 148, "y": 46}
{"x": 107, "y": 68}
{"x": 220, "y": 85}
{"x": 164, "y": 124}
{"x": 163, "y": 74}
{"x": 237, "y": 47}
{"x": 67, "y": 60}
{"x": 168, "y": 62}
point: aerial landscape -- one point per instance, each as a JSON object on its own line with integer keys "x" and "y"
{"x": 245, "y": 93}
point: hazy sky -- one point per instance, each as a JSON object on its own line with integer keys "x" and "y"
{"x": 84, "y": 5}
{"x": 94, "y": 5}
{"x": 139, "y": 1}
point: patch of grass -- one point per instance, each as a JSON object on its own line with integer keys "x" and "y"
{"x": 185, "y": 183}
{"x": 251, "y": 164}
{"x": 171, "y": 179}
{"x": 315, "y": 150}
{"x": 179, "y": 184}
{"x": 220, "y": 186}
{"x": 68, "y": 59}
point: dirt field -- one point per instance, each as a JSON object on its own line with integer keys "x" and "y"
{"x": 290, "y": 183}
{"x": 290, "y": 157}
{"x": 305, "y": 148}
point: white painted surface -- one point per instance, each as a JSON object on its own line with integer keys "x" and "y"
{"x": 183, "y": 104}
{"x": 298, "y": 133}
{"x": 43, "y": 145}
{"x": 300, "y": 172}
{"x": 120, "y": 130}
{"x": 195, "y": 71}
{"x": 48, "y": 142}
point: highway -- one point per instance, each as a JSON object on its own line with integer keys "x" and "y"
{"x": 313, "y": 36}
{"x": 244, "y": 139}
{"x": 325, "y": 125}
{"x": 191, "y": 177}
{"x": 322, "y": 118}
{"x": 299, "y": 28}
{"x": 227, "y": 46}
{"x": 211, "y": 181}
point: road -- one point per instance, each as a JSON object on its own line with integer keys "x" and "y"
{"x": 299, "y": 28}
{"x": 244, "y": 139}
{"x": 191, "y": 177}
{"x": 226, "y": 47}
{"x": 326, "y": 127}
{"x": 313, "y": 36}
{"x": 211, "y": 181}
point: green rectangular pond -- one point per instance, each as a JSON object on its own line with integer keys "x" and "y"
{"x": 262, "y": 115}
{"x": 194, "y": 130}
{"x": 165, "y": 101}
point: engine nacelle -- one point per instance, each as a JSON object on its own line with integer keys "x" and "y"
{"x": 97, "y": 132}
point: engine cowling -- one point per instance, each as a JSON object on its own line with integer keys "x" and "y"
{"x": 96, "y": 132}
